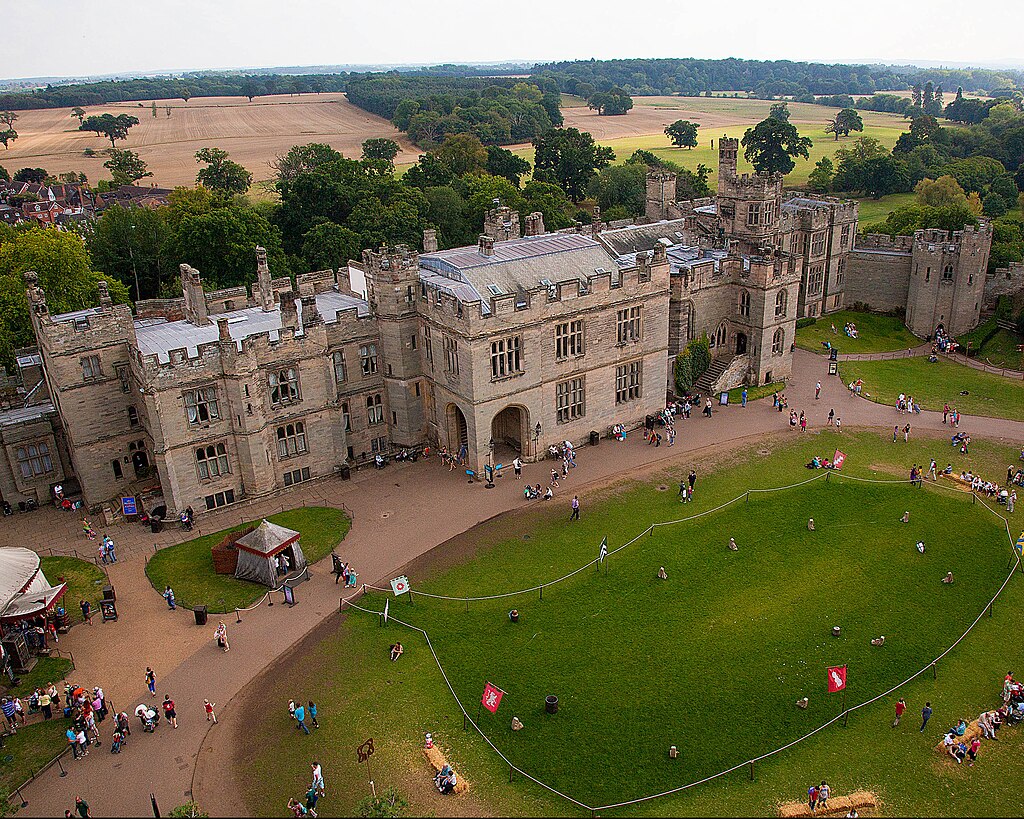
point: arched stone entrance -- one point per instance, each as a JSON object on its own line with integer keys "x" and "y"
{"x": 458, "y": 430}
{"x": 510, "y": 433}
{"x": 741, "y": 344}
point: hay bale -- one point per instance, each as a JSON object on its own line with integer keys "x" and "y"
{"x": 973, "y": 730}
{"x": 837, "y": 806}
{"x": 438, "y": 760}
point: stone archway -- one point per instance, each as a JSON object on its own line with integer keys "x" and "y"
{"x": 741, "y": 344}
{"x": 457, "y": 428}
{"x": 510, "y": 432}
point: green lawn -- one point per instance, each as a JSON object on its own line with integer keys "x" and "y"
{"x": 46, "y": 670}
{"x": 754, "y": 393}
{"x": 871, "y": 211}
{"x": 967, "y": 390}
{"x": 711, "y": 660}
{"x": 85, "y": 582}
{"x": 29, "y": 750}
{"x": 875, "y": 334}
{"x": 188, "y": 567}
{"x": 1001, "y": 351}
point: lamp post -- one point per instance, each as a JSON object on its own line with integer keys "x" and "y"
{"x": 490, "y": 465}
{"x": 536, "y": 437}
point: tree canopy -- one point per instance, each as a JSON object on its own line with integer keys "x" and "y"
{"x": 569, "y": 158}
{"x": 771, "y": 145}
{"x": 109, "y": 126}
{"x": 683, "y": 133}
{"x": 221, "y": 173}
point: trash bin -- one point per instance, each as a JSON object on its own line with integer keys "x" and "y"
{"x": 200, "y": 613}
{"x": 595, "y": 437}
{"x": 551, "y": 704}
{"x": 108, "y": 593}
{"x": 346, "y": 472}
{"x": 156, "y": 525}
{"x": 836, "y": 631}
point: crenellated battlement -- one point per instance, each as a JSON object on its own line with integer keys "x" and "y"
{"x": 971, "y": 238}
{"x": 882, "y": 241}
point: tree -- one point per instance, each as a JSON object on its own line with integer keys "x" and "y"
{"x": 462, "y": 154}
{"x": 4, "y": 175}
{"x": 387, "y": 805}
{"x": 381, "y": 148}
{"x": 185, "y": 94}
{"x": 62, "y": 264}
{"x": 78, "y": 112}
{"x": 994, "y": 205}
{"x": 8, "y": 118}
{"x": 683, "y": 133}
{"x": 941, "y": 192}
{"x": 330, "y": 246}
{"x": 550, "y": 200}
{"x": 779, "y": 111}
{"x": 34, "y": 176}
{"x": 623, "y": 186}
{"x": 613, "y": 102}
{"x": 502, "y": 162}
{"x": 570, "y": 158}
{"x": 304, "y": 159}
{"x": 915, "y": 94}
{"x": 109, "y": 126}
{"x": 220, "y": 173}
{"x": 130, "y": 244}
{"x": 771, "y": 145}
{"x": 884, "y": 175}
{"x": 126, "y": 167}
{"x": 820, "y": 179}
{"x": 251, "y": 88}
{"x": 8, "y": 136}
{"x": 844, "y": 122}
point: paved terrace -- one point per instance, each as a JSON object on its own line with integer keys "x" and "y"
{"x": 388, "y": 509}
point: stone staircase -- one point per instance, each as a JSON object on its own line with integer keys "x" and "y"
{"x": 706, "y": 382}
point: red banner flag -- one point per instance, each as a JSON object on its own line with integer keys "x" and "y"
{"x": 491, "y": 698}
{"x": 836, "y": 679}
{"x": 838, "y": 460}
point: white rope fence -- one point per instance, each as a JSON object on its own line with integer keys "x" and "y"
{"x": 844, "y": 715}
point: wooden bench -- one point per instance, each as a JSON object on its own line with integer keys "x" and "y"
{"x": 837, "y": 806}
{"x": 437, "y": 761}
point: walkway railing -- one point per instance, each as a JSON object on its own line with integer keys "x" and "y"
{"x": 1014, "y": 564}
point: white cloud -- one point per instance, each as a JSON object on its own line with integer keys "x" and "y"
{"x": 71, "y": 37}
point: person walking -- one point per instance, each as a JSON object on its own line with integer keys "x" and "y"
{"x": 311, "y": 799}
{"x": 824, "y": 794}
{"x": 82, "y": 808}
{"x": 906, "y": 434}
{"x": 211, "y": 715}
{"x": 169, "y": 597}
{"x": 151, "y": 681}
{"x": 945, "y": 412}
{"x": 932, "y": 470}
{"x": 812, "y": 797}
{"x": 221, "y": 637}
{"x": 86, "y": 608}
{"x": 895, "y": 433}
{"x": 743, "y": 398}
{"x": 1011, "y": 499}
{"x": 575, "y": 508}
{"x": 901, "y": 706}
{"x": 926, "y": 714}
{"x": 318, "y": 778}
{"x": 300, "y": 718}
{"x": 312, "y": 714}
{"x": 831, "y": 417}
{"x": 817, "y": 391}
{"x": 169, "y": 713}
{"x": 517, "y": 466}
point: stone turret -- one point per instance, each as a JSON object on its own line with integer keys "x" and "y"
{"x": 195, "y": 300}
{"x": 661, "y": 194}
{"x": 263, "y": 280}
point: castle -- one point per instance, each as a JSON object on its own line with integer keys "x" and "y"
{"x": 495, "y": 350}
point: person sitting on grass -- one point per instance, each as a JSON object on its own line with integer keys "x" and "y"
{"x": 445, "y": 780}
{"x": 920, "y": 546}
{"x": 732, "y": 545}
{"x": 905, "y": 518}
{"x": 548, "y": 494}
{"x": 948, "y": 578}
{"x": 396, "y": 651}
{"x": 810, "y": 524}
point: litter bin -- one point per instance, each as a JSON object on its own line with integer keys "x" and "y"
{"x": 108, "y": 593}
{"x": 346, "y": 472}
{"x": 551, "y": 704}
{"x": 156, "y": 525}
{"x": 200, "y": 613}
{"x": 595, "y": 437}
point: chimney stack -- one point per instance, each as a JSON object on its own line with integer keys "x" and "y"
{"x": 289, "y": 312}
{"x": 535, "y": 224}
{"x": 485, "y": 245}
{"x": 195, "y": 299}
{"x": 430, "y": 241}
{"x": 263, "y": 280}
{"x": 223, "y": 334}
{"x": 105, "y": 300}
{"x": 310, "y": 315}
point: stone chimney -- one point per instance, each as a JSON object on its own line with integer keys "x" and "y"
{"x": 535, "y": 224}
{"x": 223, "y": 334}
{"x": 485, "y": 245}
{"x": 430, "y": 241}
{"x": 310, "y": 315}
{"x": 104, "y": 291}
{"x": 595, "y": 222}
{"x": 501, "y": 223}
{"x": 195, "y": 299}
{"x": 36, "y": 294}
{"x": 263, "y": 280}
{"x": 289, "y": 312}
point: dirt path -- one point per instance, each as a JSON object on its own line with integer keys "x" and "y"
{"x": 389, "y": 511}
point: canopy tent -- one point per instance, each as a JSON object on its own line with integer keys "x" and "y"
{"x": 24, "y": 590}
{"x": 257, "y": 550}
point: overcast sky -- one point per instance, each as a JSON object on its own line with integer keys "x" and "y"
{"x": 81, "y": 37}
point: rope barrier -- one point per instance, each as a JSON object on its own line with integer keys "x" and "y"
{"x": 650, "y": 797}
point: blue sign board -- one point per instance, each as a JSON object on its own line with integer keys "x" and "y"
{"x": 128, "y": 507}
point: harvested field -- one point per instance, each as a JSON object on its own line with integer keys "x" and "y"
{"x": 254, "y": 133}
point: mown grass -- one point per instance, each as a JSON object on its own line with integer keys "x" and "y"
{"x": 932, "y": 385}
{"x": 871, "y": 211}
{"x": 188, "y": 567}
{"x": 711, "y": 660}
{"x": 757, "y": 392}
{"x": 1001, "y": 350}
{"x": 46, "y": 670}
{"x": 85, "y": 581}
{"x": 875, "y": 334}
{"x": 29, "y": 750}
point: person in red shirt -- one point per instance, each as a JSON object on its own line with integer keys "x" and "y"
{"x": 169, "y": 712}
{"x": 901, "y": 706}
{"x": 972, "y": 752}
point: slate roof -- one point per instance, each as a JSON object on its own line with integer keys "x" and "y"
{"x": 643, "y": 237}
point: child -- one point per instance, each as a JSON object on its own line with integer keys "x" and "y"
{"x": 312, "y": 714}
{"x": 210, "y": 715}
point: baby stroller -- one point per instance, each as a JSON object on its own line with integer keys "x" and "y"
{"x": 148, "y": 718}
{"x": 115, "y": 742}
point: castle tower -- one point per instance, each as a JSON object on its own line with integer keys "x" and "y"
{"x": 661, "y": 192}
{"x": 749, "y": 205}
{"x": 392, "y": 285}
{"x": 947, "y": 279}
